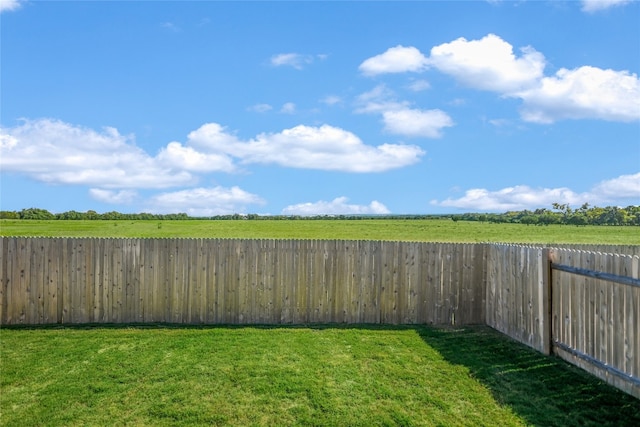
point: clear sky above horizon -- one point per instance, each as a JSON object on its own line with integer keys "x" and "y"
{"x": 210, "y": 107}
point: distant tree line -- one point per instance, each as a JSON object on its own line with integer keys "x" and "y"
{"x": 43, "y": 214}
{"x": 559, "y": 214}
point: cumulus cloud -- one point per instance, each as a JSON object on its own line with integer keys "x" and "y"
{"x": 512, "y": 198}
{"x": 212, "y": 137}
{"x": 623, "y": 189}
{"x": 295, "y": 60}
{"x": 60, "y": 153}
{"x": 583, "y": 93}
{"x": 204, "y": 201}
{"x": 489, "y": 64}
{"x": 113, "y": 197}
{"x": 325, "y": 148}
{"x": 592, "y": 6}
{"x": 399, "y": 59}
{"x": 624, "y": 186}
{"x": 416, "y": 123}
{"x": 399, "y": 118}
{"x": 111, "y": 164}
{"x": 337, "y": 206}
{"x": 177, "y": 156}
{"x": 9, "y": 5}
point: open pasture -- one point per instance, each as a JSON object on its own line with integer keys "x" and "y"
{"x": 431, "y": 230}
{"x": 312, "y": 375}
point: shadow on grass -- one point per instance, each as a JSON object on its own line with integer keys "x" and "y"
{"x": 543, "y": 390}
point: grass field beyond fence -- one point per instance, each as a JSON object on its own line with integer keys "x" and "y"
{"x": 327, "y": 375}
{"x": 429, "y": 230}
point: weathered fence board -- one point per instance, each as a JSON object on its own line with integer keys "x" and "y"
{"x": 218, "y": 281}
{"x": 597, "y": 322}
{"x": 517, "y": 294}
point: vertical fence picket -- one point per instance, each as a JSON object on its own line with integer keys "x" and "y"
{"x": 4, "y": 278}
{"x": 632, "y": 320}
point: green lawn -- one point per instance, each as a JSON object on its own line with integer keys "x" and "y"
{"x": 433, "y": 230}
{"x": 325, "y": 375}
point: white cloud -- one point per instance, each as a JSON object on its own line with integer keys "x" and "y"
{"x": 617, "y": 191}
{"x": 204, "y": 201}
{"x": 513, "y": 198}
{"x": 419, "y": 85}
{"x": 397, "y": 59}
{"x": 489, "y": 64}
{"x": 113, "y": 197}
{"x": 378, "y": 100}
{"x": 260, "y": 108}
{"x": 212, "y": 137}
{"x": 56, "y": 152}
{"x": 399, "y": 118}
{"x": 7, "y": 141}
{"x": 295, "y": 60}
{"x": 325, "y": 148}
{"x": 416, "y": 123}
{"x": 177, "y": 156}
{"x": 288, "y": 108}
{"x": 591, "y": 6}
{"x": 624, "y": 186}
{"x": 9, "y": 5}
{"x": 337, "y": 206}
{"x": 583, "y": 93}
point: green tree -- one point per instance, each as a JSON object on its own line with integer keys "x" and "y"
{"x": 9, "y": 215}
{"x": 35, "y": 213}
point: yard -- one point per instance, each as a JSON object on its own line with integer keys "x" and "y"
{"x": 305, "y": 375}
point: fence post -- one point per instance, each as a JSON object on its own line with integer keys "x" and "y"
{"x": 547, "y": 289}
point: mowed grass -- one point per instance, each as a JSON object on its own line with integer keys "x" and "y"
{"x": 325, "y": 375}
{"x": 431, "y": 230}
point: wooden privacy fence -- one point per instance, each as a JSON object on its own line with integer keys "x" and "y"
{"x": 582, "y": 306}
{"x": 630, "y": 250}
{"x": 518, "y": 294}
{"x": 221, "y": 281}
{"x": 596, "y": 314}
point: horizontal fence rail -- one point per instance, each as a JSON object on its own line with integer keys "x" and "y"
{"x": 623, "y": 280}
{"x": 225, "y": 281}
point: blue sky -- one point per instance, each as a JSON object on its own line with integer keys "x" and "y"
{"x": 319, "y": 107}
